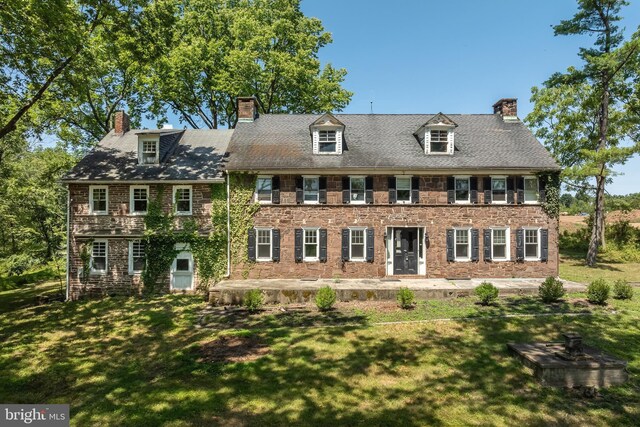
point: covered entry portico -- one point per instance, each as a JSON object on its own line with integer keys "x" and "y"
{"x": 406, "y": 248}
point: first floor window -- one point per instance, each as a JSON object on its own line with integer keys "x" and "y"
{"x": 311, "y": 244}
{"x": 462, "y": 244}
{"x": 499, "y": 244}
{"x": 311, "y": 186}
{"x": 263, "y": 244}
{"x": 499, "y": 189}
{"x": 439, "y": 141}
{"x": 462, "y": 190}
{"x": 530, "y": 189}
{"x": 99, "y": 256}
{"x": 357, "y": 189}
{"x": 403, "y": 189}
{"x": 357, "y": 244}
{"x": 98, "y": 200}
{"x": 263, "y": 189}
{"x": 327, "y": 141}
{"x": 137, "y": 256}
{"x": 139, "y": 199}
{"x": 183, "y": 200}
{"x": 531, "y": 244}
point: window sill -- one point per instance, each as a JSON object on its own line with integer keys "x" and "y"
{"x": 264, "y": 259}
{"x": 462, "y": 260}
{"x": 532, "y": 259}
{"x": 135, "y": 273}
{"x": 462, "y": 202}
{"x": 310, "y": 259}
{"x": 264, "y": 202}
{"x": 500, "y": 260}
{"x": 183, "y": 213}
{"x": 98, "y": 273}
{"x": 138, "y": 213}
{"x": 306, "y": 202}
{"x": 402, "y": 202}
{"x": 498, "y": 202}
{"x": 98, "y": 213}
{"x": 357, "y": 260}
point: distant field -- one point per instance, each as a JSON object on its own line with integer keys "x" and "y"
{"x": 574, "y": 222}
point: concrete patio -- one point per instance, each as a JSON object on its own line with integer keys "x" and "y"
{"x": 287, "y": 291}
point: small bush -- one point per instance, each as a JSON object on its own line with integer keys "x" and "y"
{"x": 622, "y": 290}
{"x": 551, "y": 290}
{"x": 325, "y": 298}
{"x": 253, "y": 300}
{"x": 598, "y": 292}
{"x": 487, "y": 293}
{"x": 405, "y": 298}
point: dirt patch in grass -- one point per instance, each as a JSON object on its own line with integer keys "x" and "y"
{"x": 227, "y": 349}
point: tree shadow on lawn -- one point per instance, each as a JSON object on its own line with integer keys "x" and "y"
{"x": 132, "y": 362}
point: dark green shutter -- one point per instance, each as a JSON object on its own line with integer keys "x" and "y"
{"x": 542, "y": 183}
{"x": 370, "y": 244}
{"x": 345, "y": 244}
{"x": 322, "y": 194}
{"x": 519, "y": 244}
{"x": 520, "y": 187}
{"x": 323, "y": 245}
{"x": 473, "y": 181}
{"x": 275, "y": 190}
{"x": 346, "y": 189}
{"x": 392, "y": 189}
{"x": 487, "y": 190}
{"x": 252, "y": 244}
{"x": 450, "y": 245}
{"x": 451, "y": 190}
{"x": 298, "y": 244}
{"x": 299, "y": 192}
{"x": 544, "y": 244}
{"x": 487, "y": 245}
{"x": 275, "y": 245}
{"x": 510, "y": 190}
{"x": 369, "y": 189}
{"x": 475, "y": 244}
{"x": 415, "y": 189}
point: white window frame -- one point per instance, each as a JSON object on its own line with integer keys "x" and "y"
{"x": 408, "y": 178}
{"x": 450, "y": 140}
{"x": 257, "y": 199}
{"x": 92, "y": 270}
{"x": 455, "y": 186}
{"x": 455, "y": 244}
{"x": 507, "y": 236}
{"x": 335, "y": 140}
{"x": 316, "y": 139}
{"x": 364, "y": 190}
{"x": 99, "y": 187}
{"x": 524, "y": 243}
{"x": 141, "y": 142}
{"x": 132, "y": 270}
{"x": 175, "y": 205}
{"x": 304, "y": 192}
{"x": 531, "y": 202}
{"x": 364, "y": 243}
{"x": 304, "y": 244}
{"x": 132, "y": 200}
{"x": 493, "y": 200}
{"x": 258, "y": 230}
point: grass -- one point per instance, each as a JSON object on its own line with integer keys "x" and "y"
{"x": 127, "y": 361}
{"x": 572, "y": 267}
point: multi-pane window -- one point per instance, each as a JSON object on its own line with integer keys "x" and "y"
{"x": 99, "y": 256}
{"x": 264, "y": 186}
{"x": 263, "y": 244}
{"x": 499, "y": 189}
{"x": 499, "y": 244}
{"x": 149, "y": 152}
{"x": 531, "y": 244}
{"x": 183, "y": 200}
{"x": 137, "y": 256}
{"x": 530, "y": 189}
{"x": 98, "y": 202}
{"x": 139, "y": 199}
{"x": 462, "y": 190}
{"x": 357, "y": 241}
{"x": 462, "y": 245}
{"x": 327, "y": 141}
{"x": 357, "y": 189}
{"x": 311, "y": 241}
{"x": 311, "y": 187}
{"x": 439, "y": 141}
{"x": 403, "y": 189}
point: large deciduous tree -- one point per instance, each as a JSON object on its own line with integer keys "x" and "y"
{"x": 220, "y": 49}
{"x": 586, "y": 115}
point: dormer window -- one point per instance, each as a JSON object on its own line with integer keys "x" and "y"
{"x": 437, "y": 135}
{"x": 327, "y": 141}
{"x": 439, "y": 141}
{"x": 148, "y": 152}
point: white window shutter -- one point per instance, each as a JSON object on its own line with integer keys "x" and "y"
{"x": 316, "y": 137}
{"x": 339, "y": 141}
{"x": 450, "y": 142}
{"x": 427, "y": 141}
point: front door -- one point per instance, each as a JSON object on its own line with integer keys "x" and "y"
{"x": 405, "y": 256}
{"x": 182, "y": 272}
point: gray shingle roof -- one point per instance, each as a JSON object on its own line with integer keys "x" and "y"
{"x": 186, "y": 155}
{"x": 386, "y": 141}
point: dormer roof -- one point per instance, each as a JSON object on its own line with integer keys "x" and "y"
{"x": 327, "y": 119}
{"x": 439, "y": 119}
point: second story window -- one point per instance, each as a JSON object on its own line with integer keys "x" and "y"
{"x": 357, "y": 190}
{"x": 327, "y": 141}
{"x": 439, "y": 141}
{"x": 311, "y": 188}
{"x": 499, "y": 190}
{"x": 98, "y": 199}
{"x": 530, "y": 189}
{"x": 263, "y": 189}
{"x": 149, "y": 153}
{"x": 462, "y": 190}
{"x": 403, "y": 189}
{"x": 182, "y": 199}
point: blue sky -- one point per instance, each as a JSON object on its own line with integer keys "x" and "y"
{"x": 458, "y": 56}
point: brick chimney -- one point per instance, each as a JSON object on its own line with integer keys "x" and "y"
{"x": 507, "y": 108}
{"x": 247, "y": 108}
{"x": 121, "y": 122}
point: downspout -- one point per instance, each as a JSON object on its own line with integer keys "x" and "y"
{"x": 228, "y": 229}
{"x": 68, "y": 241}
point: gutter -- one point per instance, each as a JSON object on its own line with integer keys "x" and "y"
{"x": 228, "y": 228}
{"x": 68, "y": 242}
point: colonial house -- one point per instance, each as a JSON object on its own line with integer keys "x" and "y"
{"x": 379, "y": 195}
{"x": 344, "y": 195}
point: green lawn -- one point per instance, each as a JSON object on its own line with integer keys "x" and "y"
{"x": 572, "y": 267}
{"x": 126, "y": 361}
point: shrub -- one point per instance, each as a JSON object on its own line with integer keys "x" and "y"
{"x": 622, "y": 290}
{"x": 487, "y": 293}
{"x": 405, "y": 298}
{"x": 253, "y": 300}
{"x": 551, "y": 290}
{"x": 325, "y": 298}
{"x": 598, "y": 291}
{"x": 17, "y": 264}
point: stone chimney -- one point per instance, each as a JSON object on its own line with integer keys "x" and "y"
{"x": 247, "y": 108}
{"x": 507, "y": 108}
{"x": 121, "y": 123}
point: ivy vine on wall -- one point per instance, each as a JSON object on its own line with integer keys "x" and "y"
{"x": 242, "y": 209}
{"x": 551, "y": 204}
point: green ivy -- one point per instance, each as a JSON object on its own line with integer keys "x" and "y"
{"x": 551, "y": 204}
{"x": 242, "y": 210}
{"x": 85, "y": 259}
